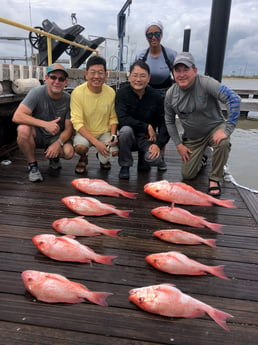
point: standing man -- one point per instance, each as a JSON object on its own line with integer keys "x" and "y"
{"x": 140, "y": 112}
{"x": 195, "y": 99}
{"x": 93, "y": 116}
{"x": 44, "y": 122}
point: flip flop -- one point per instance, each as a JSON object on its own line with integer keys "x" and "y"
{"x": 214, "y": 188}
{"x": 81, "y": 165}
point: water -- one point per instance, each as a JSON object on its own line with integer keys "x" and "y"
{"x": 243, "y": 159}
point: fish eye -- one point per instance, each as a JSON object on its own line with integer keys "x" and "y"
{"x": 141, "y": 299}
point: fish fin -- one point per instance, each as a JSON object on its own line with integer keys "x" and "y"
{"x": 123, "y": 213}
{"x": 225, "y": 203}
{"x": 98, "y": 297}
{"x": 111, "y": 232}
{"x": 105, "y": 259}
{"x": 218, "y": 271}
{"x": 215, "y": 227}
{"x": 129, "y": 195}
{"x": 219, "y": 317}
{"x": 211, "y": 242}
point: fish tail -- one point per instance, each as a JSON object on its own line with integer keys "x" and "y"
{"x": 215, "y": 227}
{"x": 218, "y": 271}
{"x": 111, "y": 232}
{"x": 98, "y": 297}
{"x": 211, "y": 243}
{"x": 129, "y": 195}
{"x": 219, "y": 317}
{"x": 226, "y": 203}
{"x": 105, "y": 259}
{"x": 123, "y": 213}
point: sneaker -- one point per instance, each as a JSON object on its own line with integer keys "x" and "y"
{"x": 162, "y": 165}
{"x": 54, "y": 163}
{"x": 34, "y": 174}
{"x": 124, "y": 173}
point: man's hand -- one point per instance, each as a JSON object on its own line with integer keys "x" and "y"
{"x": 102, "y": 148}
{"x": 54, "y": 150}
{"x": 218, "y": 136}
{"x": 154, "y": 151}
{"x": 52, "y": 126}
{"x": 183, "y": 152}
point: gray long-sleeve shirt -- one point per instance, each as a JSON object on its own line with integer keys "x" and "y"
{"x": 198, "y": 108}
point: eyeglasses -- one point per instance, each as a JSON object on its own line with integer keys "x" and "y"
{"x": 140, "y": 76}
{"x": 54, "y": 77}
{"x": 150, "y": 35}
{"x": 100, "y": 73}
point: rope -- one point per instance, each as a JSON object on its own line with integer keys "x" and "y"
{"x": 229, "y": 178}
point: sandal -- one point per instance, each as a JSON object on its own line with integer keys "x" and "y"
{"x": 81, "y": 165}
{"x": 106, "y": 166}
{"x": 214, "y": 188}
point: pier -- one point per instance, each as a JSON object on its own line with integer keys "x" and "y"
{"x": 28, "y": 209}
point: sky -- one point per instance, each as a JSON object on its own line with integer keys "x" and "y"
{"x": 99, "y": 18}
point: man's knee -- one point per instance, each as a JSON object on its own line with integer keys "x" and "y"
{"x": 81, "y": 149}
{"x": 24, "y": 131}
{"x": 126, "y": 132}
{"x": 68, "y": 152}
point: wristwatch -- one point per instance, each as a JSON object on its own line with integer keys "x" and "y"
{"x": 60, "y": 142}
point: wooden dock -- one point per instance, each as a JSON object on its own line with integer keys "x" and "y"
{"x": 29, "y": 209}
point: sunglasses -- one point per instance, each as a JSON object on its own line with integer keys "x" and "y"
{"x": 150, "y": 35}
{"x": 54, "y": 77}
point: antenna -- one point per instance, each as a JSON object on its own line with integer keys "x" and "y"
{"x": 74, "y": 19}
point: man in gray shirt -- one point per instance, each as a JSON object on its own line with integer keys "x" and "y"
{"x": 44, "y": 122}
{"x": 195, "y": 99}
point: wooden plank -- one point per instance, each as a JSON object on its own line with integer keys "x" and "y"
{"x": 28, "y": 209}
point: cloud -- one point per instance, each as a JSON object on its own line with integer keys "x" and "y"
{"x": 99, "y": 18}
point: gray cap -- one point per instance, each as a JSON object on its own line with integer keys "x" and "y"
{"x": 185, "y": 58}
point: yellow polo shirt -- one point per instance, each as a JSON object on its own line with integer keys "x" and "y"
{"x": 95, "y": 111}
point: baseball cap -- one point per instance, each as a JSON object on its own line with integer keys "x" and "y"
{"x": 185, "y": 58}
{"x": 56, "y": 67}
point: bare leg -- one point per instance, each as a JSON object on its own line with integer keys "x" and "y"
{"x": 26, "y": 142}
{"x": 82, "y": 151}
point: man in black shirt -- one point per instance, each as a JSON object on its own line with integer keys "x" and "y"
{"x": 140, "y": 112}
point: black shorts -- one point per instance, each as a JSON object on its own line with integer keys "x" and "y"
{"x": 42, "y": 141}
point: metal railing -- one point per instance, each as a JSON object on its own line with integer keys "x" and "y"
{"x": 48, "y": 35}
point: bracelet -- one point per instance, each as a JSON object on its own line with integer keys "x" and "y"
{"x": 60, "y": 142}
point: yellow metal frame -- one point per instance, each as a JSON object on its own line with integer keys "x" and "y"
{"x": 49, "y": 37}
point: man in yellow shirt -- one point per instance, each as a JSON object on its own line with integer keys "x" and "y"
{"x": 93, "y": 116}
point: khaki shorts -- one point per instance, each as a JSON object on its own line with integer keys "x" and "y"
{"x": 80, "y": 140}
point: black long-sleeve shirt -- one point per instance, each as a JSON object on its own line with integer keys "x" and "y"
{"x": 138, "y": 112}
